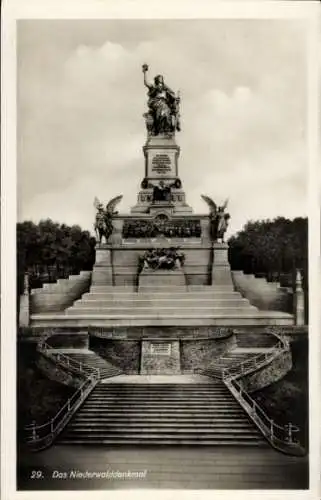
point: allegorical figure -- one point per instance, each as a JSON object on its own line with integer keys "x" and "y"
{"x": 219, "y": 219}
{"x": 103, "y": 220}
{"x": 162, "y": 192}
{"x": 161, "y": 258}
{"x": 222, "y": 220}
{"x": 163, "y": 114}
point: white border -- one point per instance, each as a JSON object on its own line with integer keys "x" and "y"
{"x": 90, "y": 9}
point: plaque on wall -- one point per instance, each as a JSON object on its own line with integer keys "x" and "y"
{"x": 161, "y": 348}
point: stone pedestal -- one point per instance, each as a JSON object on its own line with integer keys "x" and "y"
{"x": 221, "y": 271}
{"x": 161, "y": 278}
{"x": 298, "y": 301}
{"x": 24, "y": 310}
{"x": 102, "y": 271}
{"x": 160, "y": 357}
{"x": 161, "y": 166}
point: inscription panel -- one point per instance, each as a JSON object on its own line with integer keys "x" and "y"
{"x": 161, "y": 164}
{"x": 160, "y": 348}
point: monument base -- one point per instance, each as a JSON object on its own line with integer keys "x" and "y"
{"x": 161, "y": 278}
{"x": 102, "y": 273}
{"x": 221, "y": 271}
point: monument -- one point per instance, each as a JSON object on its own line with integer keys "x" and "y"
{"x": 161, "y": 216}
{"x": 161, "y": 265}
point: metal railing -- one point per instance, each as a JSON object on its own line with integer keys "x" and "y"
{"x": 66, "y": 361}
{"x": 254, "y": 362}
{"x": 284, "y": 438}
{"x": 40, "y": 436}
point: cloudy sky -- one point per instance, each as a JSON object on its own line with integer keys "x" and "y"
{"x": 81, "y": 99}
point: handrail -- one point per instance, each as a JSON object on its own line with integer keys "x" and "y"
{"x": 40, "y": 436}
{"x": 282, "y": 437}
{"x": 253, "y": 362}
{"x": 65, "y": 360}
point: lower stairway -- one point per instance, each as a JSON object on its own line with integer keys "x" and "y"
{"x": 91, "y": 359}
{"x": 161, "y": 414}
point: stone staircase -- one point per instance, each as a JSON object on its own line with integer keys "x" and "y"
{"x": 166, "y": 301}
{"x": 229, "y": 359}
{"x": 92, "y": 359}
{"x": 178, "y": 305}
{"x": 263, "y": 294}
{"x": 161, "y": 414}
{"x": 56, "y": 297}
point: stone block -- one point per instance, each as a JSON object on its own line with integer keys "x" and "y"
{"x": 24, "y": 310}
{"x": 102, "y": 275}
{"x": 160, "y": 357}
{"x": 170, "y": 278}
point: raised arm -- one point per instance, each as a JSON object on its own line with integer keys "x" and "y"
{"x": 145, "y": 69}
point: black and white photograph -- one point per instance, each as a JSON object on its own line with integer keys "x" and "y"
{"x": 162, "y": 254}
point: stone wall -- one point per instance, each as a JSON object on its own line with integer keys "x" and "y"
{"x": 160, "y": 363}
{"x": 269, "y": 374}
{"x": 56, "y": 372}
{"x": 200, "y": 354}
{"x": 122, "y": 354}
{"x": 175, "y": 332}
{"x": 77, "y": 340}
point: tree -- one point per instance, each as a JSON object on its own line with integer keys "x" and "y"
{"x": 49, "y": 250}
{"x": 271, "y": 247}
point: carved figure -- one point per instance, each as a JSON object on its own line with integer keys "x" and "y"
{"x": 103, "y": 221}
{"x": 163, "y": 114}
{"x": 162, "y": 192}
{"x": 161, "y": 258}
{"x": 219, "y": 219}
{"x": 222, "y": 222}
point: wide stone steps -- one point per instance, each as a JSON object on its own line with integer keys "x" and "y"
{"x": 167, "y": 414}
{"x": 248, "y": 318}
{"x": 159, "y": 310}
{"x": 161, "y": 441}
{"x": 180, "y": 413}
{"x": 161, "y": 288}
{"x": 163, "y": 302}
{"x": 132, "y": 296}
{"x": 138, "y": 421}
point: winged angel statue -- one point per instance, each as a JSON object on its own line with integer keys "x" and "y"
{"x": 103, "y": 221}
{"x": 219, "y": 219}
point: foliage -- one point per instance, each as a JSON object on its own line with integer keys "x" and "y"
{"x": 271, "y": 247}
{"x": 49, "y": 250}
{"x": 38, "y": 397}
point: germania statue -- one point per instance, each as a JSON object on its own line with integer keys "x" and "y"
{"x": 163, "y": 113}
